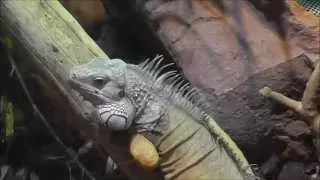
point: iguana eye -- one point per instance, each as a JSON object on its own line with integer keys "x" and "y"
{"x": 99, "y": 81}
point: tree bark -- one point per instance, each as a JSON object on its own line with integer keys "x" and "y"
{"x": 47, "y": 42}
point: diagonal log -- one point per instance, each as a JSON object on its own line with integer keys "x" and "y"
{"x": 47, "y": 42}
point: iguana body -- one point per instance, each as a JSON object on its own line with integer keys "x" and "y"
{"x": 190, "y": 144}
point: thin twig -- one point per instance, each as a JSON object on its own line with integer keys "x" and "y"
{"x": 291, "y": 103}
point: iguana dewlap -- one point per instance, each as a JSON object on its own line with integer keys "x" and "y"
{"x": 165, "y": 108}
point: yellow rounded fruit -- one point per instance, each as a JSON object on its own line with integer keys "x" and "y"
{"x": 144, "y": 152}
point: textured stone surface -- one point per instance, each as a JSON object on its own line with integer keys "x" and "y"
{"x": 253, "y": 120}
{"x": 219, "y": 48}
{"x": 292, "y": 171}
{"x": 297, "y": 129}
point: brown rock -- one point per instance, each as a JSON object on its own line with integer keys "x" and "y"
{"x": 269, "y": 167}
{"x": 297, "y": 128}
{"x": 296, "y": 150}
{"x": 88, "y": 13}
{"x": 292, "y": 171}
{"x": 220, "y": 48}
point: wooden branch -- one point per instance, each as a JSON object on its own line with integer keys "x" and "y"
{"x": 310, "y": 99}
{"x": 308, "y": 106}
{"x": 293, "y": 104}
{"x": 47, "y": 42}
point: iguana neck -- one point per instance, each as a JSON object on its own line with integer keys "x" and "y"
{"x": 151, "y": 93}
{"x": 149, "y": 107}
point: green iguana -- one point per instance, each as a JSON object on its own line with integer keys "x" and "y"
{"x": 139, "y": 99}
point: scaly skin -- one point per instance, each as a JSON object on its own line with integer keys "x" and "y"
{"x": 191, "y": 145}
{"x": 188, "y": 151}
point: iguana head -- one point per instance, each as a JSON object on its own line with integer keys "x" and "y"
{"x": 102, "y": 75}
{"x": 102, "y": 83}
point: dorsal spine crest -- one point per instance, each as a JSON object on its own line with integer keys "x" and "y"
{"x": 172, "y": 86}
